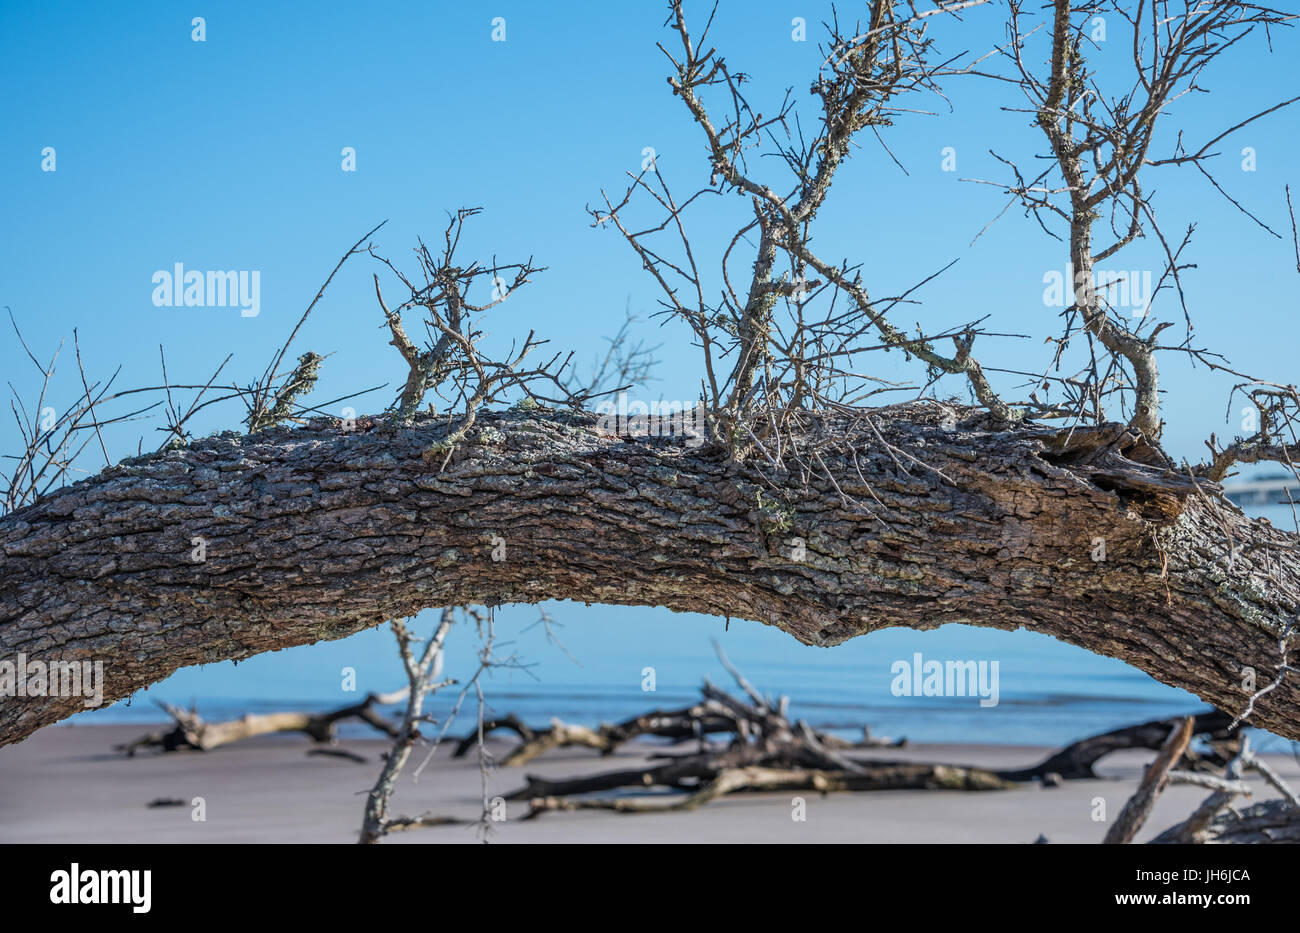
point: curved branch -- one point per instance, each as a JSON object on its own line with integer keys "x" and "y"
{"x": 317, "y": 532}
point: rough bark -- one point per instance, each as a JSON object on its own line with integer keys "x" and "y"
{"x": 315, "y": 533}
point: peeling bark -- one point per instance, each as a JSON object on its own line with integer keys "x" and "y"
{"x": 315, "y": 533}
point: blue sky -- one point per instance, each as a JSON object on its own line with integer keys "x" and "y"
{"x": 226, "y": 154}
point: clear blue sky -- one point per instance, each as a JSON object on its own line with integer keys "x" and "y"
{"x": 226, "y": 154}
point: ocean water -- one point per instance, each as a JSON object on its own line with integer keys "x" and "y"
{"x": 598, "y": 664}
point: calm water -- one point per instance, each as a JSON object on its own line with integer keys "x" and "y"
{"x": 1049, "y": 692}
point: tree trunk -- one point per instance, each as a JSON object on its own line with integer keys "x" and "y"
{"x": 316, "y": 532}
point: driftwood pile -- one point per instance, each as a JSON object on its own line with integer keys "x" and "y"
{"x": 711, "y": 717}
{"x": 766, "y": 752}
{"x": 1215, "y": 820}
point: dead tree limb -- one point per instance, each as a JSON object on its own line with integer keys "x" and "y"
{"x": 1270, "y": 821}
{"x": 766, "y": 752}
{"x": 1078, "y": 760}
{"x": 719, "y": 713}
{"x": 1215, "y": 820}
{"x": 758, "y": 779}
{"x": 422, "y": 670}
{"x": 1154, "y": 780}
{"x": 190, "y": 732}
{"x": 318, "y": 532}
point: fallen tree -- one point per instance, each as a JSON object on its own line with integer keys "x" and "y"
{"x": 190, "y": 732}
{"x": 788, "y": 499}
{"x": 319, "y": 532}
{"x": 1077, "y": 761}
{"x": 766, "y": 752}
{"x": 697, "y": 722}
{"x": 721, "y": 714}
{"x": 752, "y": 778}
{"x": 1215, "y": 820}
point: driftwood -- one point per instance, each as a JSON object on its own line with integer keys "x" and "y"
{"x": 690, "y": 722}
{"x": 1216, "y": 821}
{"x": 403, "y": 823}
{"x": 423, "y": 668}
{"x": 767, "y": 752}
{"x": 1273, "y": 821}
{"x": 1077, "y": 760}
{"x": 1154, "y": 780}
{"x": 756, "y": 778}
{"x": 190, "y": 732}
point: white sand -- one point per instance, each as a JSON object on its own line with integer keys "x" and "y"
{"x": 64, "y": 784}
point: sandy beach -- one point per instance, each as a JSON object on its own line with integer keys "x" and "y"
{"x": 65, "y": 784}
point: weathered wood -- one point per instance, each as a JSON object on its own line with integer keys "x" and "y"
{"x": 764, "y": 745}
{"x": 1217, "y": 821}
{"x": 190, "y": 731}
{"x": 755, "y": 778}
{"x": 1154, "y": 780}
{"x": 560, "y": 735}
{"x": 1271, "y": 821}
{"x": 315, "y": 533}
{"x": 1077, "y": 760}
